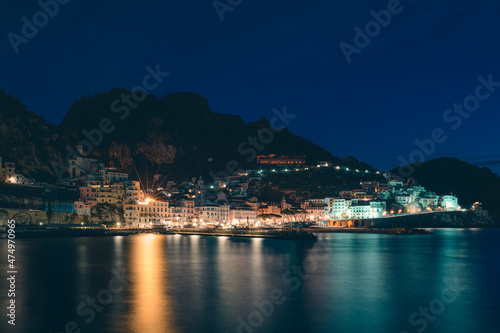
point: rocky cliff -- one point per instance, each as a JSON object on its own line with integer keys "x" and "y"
{"x": 178, "y": 134}
{"x": 467, "y": 219}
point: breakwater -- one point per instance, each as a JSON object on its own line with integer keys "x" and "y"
{"x": 393, "y": 231}
{"x": 450, "y": 219}
{"x": 30, "y": 231}
{"x": 286, "y": 233}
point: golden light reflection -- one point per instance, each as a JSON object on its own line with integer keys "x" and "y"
{"x": 151, "y": 309}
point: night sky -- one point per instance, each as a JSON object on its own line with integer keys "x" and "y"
{"x": 268, "y": 54}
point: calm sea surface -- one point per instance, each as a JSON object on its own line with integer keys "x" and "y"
{"x": 445, "y": 282}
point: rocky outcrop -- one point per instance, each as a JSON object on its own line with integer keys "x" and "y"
{"x": 35, "y": 217}
{"x": 106, "y": 214}
{"x": 22, "y": 197}
{"x": 27, "y": 140}
{"x": 177, "y": 130}
{"x": 468, "y": 182}
{"x": 459, "y": 219}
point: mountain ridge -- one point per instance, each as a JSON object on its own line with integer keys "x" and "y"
{"x": 468, "y": 182}
{"x": 177, "y": 129}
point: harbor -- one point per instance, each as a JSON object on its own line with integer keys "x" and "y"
{"x": 68, "y": 230}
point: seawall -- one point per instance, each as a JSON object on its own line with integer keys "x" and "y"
{"x": 453, "y": 219}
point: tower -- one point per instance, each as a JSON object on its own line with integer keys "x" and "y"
{"x": 199, "y": 198}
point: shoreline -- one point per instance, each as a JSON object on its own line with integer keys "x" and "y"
{"x": 287, "y": 234}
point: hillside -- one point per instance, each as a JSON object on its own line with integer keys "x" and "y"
{"x": 178, "y": 133}
{"x": 468, "y": 182}
{"x": 27, "y": 140}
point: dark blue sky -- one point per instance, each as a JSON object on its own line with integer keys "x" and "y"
{"x": 272, "y": 53}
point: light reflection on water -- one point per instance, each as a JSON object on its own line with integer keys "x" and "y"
{"x": 204, "y": 284}
{"x": 151, "y": 309}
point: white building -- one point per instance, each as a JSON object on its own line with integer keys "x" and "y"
{"x": 241, "y": 215}
{"x": 449, "y": 202}
{"x": 144, "y": 214}
{"x": 374, "y": 209}
{"x": 416, "y": 191}
{"x": 317, "y": 210}
{"x": 81, "y": 165}
{"x": 19, "y": 179}
{"x": 402, "y": 198}
{"x": 338, "y": 208}
{"x": 111, "y": 176}
{"x": 213, "y": 213}
{"x": 429, "y": 199}
{"x": 183, "y": 212}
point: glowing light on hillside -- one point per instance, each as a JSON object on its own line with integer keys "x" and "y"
{"x": 146, "y": 201}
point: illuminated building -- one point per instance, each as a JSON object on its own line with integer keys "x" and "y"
{"x": 8, "y": 174}
{"x": 213, "y": 213}
{"x": 84, "y": 207}
{"x": 200, "y": 192}
{"x": 449, "y": 202}
{"x": 143, "y": 214}
{"x": 361, "y": 195}
{"x": 184, "y": 212}
{"x": 111, "y": 194}
{"x": 243, "y": 215}
{"x": 269, "y": 209}
{"x": 82, "y": 165}
{"x": 281, "y": 160}
{"x": 316, "y": 208}
{"x": 7, "y": 170}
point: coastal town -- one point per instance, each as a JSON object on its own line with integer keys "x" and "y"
{"x": 223, "y": 202}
